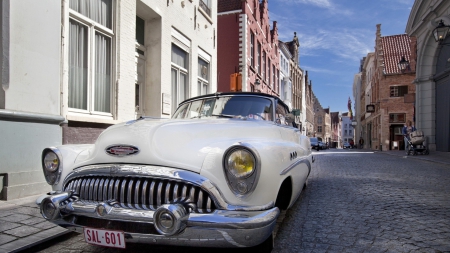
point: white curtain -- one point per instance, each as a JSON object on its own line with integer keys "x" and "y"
{"x": 97, "y": 10}
{"x": 77, "y": 65}
{"x": 179, "y": 56}
{"x": 102, "y": 73}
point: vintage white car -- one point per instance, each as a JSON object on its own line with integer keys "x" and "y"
{"x": 214, "y": 175}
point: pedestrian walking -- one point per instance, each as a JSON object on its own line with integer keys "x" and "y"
{"x": 361, "y": 142}
{"x": 406, "y": 131}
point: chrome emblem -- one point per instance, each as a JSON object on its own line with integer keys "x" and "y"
{"x": 122, "y": 150}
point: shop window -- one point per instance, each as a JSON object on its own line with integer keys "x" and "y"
{"x": 397, "y": 117}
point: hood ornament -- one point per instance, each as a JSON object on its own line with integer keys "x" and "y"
{"x": 122, "y": 150}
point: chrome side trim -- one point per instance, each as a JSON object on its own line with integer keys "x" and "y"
{"x": 157, "y": 172}
{"x": 299, "y": 161}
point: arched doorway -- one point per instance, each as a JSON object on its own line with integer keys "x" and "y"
{"x": 442, "y": 80}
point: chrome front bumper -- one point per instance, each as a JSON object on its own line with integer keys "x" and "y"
{"x": 221, "y": 228}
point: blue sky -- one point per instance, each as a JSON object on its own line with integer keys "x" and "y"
{"x": 334, "y": 35}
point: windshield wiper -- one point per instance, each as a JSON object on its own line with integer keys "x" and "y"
{"x": 225, "y": 115}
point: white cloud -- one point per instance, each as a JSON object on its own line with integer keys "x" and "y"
{"x": 325, "y": 4}
{"x": 318, "y": 70}
{"x": 347, "y": 44}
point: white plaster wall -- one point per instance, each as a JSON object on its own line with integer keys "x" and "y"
{"x": 35, "y": 37}
{"x": 427, "y": 52}
{"x": 185, "y": 17}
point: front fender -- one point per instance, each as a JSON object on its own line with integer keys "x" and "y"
{"x": 275, "y": 157}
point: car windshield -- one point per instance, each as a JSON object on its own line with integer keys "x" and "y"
{"x": 313, "y": 139}
{"x": 249, "y": 107}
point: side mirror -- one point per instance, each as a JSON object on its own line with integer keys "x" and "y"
{"x": 289, "y": 118}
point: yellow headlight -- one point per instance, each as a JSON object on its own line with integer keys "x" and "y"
{"x": 241, "y": 163}
{"x": 51, "y": 162}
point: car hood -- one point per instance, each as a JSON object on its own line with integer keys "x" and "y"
{"x": 180, "y": 144}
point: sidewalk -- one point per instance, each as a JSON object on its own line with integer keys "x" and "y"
{"x": 434, "y": 156}
{"x": 22, "y": 226}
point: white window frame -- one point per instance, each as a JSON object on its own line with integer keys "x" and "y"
{"x": 94, "y": 27}
{"x": 177, "y": 98}
{"x": 201, "y": 81}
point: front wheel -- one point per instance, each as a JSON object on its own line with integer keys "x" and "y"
{"x": 266, "y": 246}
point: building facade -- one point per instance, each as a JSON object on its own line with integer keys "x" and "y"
{"x": 388, "y": 91}
{"x": 105, "y": 62}
{"x": 432, "y": 82}
{"x": 247, "y": 46}
{"x": 347, "y": 130}
{"x": 336, "y": 126}
{"x": 285, "y": 74}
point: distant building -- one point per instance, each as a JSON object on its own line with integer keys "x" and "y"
{"x": 346, "y": 129}
{"x": 336, "y": 121}
{"x": 285, "y": 74}
{"x": 388, "y": 91}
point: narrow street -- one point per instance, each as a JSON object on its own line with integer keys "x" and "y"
{"x": 354, "y": 202}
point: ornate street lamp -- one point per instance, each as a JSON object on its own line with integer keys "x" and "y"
{"x": 440, "y": 32}
{"x": 403, "y": 65}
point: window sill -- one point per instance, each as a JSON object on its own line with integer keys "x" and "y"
{"x": 91, "y": 118}
{"x": 205, "y": 15}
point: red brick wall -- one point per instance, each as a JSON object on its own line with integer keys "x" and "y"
{"x": 82, "y": 132}
{"x": 227, "y": 49}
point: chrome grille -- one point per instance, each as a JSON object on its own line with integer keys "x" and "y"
{"x": 140, "y": 193}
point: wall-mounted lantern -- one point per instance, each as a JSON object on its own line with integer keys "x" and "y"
{"x": 403, "y": 65}
{"x": 440, "y": 32}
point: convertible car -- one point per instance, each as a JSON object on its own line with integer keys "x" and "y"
{"x": 216, "y": 174}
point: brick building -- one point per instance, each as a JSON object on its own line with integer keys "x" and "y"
{"x": 309, "y": 123}
{"x": 388, "y": 90}
{"x": 336, "y": 124}
{"x": 247, "y": 45}
{"x": 322, "y": 121}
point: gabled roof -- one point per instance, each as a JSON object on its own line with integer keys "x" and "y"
{"x": 229, "y": 5}
{"x": 394, "y": 47}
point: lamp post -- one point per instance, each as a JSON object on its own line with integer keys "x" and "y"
{"x": 440, "y": 32}
{"x": 403, "y": 65}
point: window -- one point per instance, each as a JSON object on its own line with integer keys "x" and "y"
{"x": 397, "y": 118}
{"x": 319, "y": 120}
{"x": 345, "y": 132}
{"x": 399, "y": 91}
{"x": 90, "y": 55}
{"x": 273, "y": 77}
{"x": 140, "y": 66}
{"x": 268, "y": 73}
{"x": 205, "y": 5}
{"x": 203, "y": 77}
{"x": 319, "y": 129}
{"x": 252, "y": 49}
{"x": 263, "y": 68}
{"x": 258, "y": 55}
{"x": 179, "y": 76}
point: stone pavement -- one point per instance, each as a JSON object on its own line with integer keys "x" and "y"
{"x": 22, "y": 226}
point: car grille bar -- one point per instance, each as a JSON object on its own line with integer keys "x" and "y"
{"x": 140, "y": 193}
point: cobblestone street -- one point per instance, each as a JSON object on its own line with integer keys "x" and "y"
{"x": 370, "y": 203}
{"x": 354, "y": 202}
